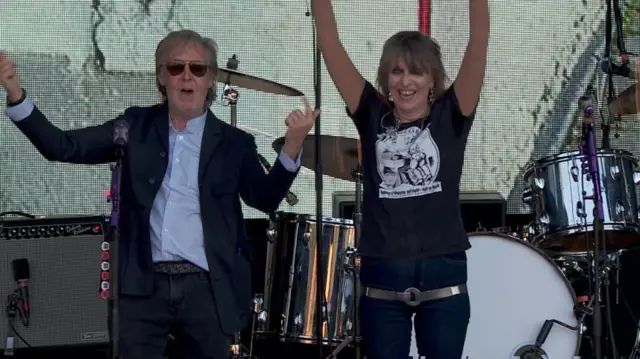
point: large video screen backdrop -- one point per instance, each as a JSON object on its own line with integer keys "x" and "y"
{"x": 84, "y": 62}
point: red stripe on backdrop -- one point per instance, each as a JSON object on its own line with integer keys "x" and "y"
{"x": 424, "y": 16}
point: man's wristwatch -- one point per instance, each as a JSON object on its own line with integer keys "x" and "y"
{"x": 20, "y": 100}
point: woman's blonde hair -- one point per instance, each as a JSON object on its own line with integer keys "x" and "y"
{"x": 420, "y": 52}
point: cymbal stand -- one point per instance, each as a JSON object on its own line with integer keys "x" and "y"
{"x": 357, "y": 223}
{"x": 635, "y": 352}
{"x": 320, "y": 298}
{"x": 613, "y": 14}
{"x": 229, "y": 94}
{"x": 230, "y": 98}
{"x": 354, "y": 268}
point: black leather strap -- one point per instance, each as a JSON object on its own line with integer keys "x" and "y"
{"x": 20, "y": 100}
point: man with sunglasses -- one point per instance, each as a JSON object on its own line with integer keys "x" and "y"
{"x": 183, "y": 261}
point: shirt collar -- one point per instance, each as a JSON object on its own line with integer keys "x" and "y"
{"x": 194, "y": 125}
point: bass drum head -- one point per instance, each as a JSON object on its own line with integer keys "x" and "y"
{"x": 513, "y": 288}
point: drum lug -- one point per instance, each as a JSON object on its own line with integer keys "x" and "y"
{"x": 529, "y": 231}
{"x": 527, "y": 197}
{"x": 539, "y": 183}
{"x": 271, "y": 232}
{"x": 620, "y": 212}
{"x": 297, "y": 322}
{"x": 574, "y": 173}
{"x": 580, "y": 212}
{"x": 615, "y": 171}
{"x": 259, "y": 313}
{"x": 544, "y": 219}
{"x": 258, "y": 303}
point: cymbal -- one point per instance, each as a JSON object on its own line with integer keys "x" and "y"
{"x": 236, "y": 78}
{"x": 340, "y": 155}
{"x": 625, "y": 103}
{"x": 253, "y": 131}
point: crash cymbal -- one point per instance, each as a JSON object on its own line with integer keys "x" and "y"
{"x": 253, "y": 131}
{"x": 339, "y": 155}
{"x": 235, "y": 78}
{"x": 625, "y": 103}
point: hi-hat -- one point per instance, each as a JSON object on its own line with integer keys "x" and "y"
{"x": 340, "y": 155}
{"x": 236, "y": 78}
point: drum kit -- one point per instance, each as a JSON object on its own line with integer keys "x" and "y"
{"x": 585, "y": 213}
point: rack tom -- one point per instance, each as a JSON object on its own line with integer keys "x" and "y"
{"x": 563, "y": 218}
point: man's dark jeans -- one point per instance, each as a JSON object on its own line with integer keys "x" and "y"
{"x": 183, "y": 305}
{"x": 440, "y": 325}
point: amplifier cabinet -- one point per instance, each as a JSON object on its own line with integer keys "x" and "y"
{"x": 64, "y": 262}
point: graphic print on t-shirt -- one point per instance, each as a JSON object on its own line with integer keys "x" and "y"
{"x": 408, "y": 163}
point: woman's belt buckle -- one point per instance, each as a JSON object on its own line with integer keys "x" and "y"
{"x": 410, "y": 296}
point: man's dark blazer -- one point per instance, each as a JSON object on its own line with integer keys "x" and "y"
{"x": 229, "y": 169}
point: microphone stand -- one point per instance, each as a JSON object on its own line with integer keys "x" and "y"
{"x": 113, "y": 303}
{"x": 589, "y": 159}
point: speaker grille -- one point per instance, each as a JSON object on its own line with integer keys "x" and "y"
{"x": 66, "y": 307}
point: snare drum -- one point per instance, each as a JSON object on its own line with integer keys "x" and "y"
{"x": 513, "y": 289}
{"x": 564, "y": 219}
{"x": 290, "y": 279}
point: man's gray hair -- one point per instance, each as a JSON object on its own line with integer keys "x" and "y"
{"x": 187, "y": 37}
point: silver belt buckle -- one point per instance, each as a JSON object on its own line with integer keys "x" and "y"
{"x": 410, "y": 296}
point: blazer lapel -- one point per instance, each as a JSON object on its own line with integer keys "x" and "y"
{"x": 161, "y": 123}
{"x": 210, "y": 140}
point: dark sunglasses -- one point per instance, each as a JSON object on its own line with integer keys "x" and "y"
{"x": 175, "y": 68}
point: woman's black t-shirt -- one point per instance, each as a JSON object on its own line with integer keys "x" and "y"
{"x": 411, "y": 179}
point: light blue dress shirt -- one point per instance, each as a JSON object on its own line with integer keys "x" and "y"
{"x": 176, "y": 224}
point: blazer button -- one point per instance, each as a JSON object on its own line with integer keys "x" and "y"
{"x": 162, "y": 154}
{"x": 152, "y": 180}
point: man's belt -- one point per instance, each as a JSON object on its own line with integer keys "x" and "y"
{"x": 176, "y": 268}
{"x": 413, "y": 296}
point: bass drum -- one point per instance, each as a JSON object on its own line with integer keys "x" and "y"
{"x": 514, "y": 288}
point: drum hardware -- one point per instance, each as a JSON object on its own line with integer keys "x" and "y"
{"x": 229, "y": 94}
{"x": 237, "y": 350}
{"x": 613, "y": 12}
{"x": 271, "y": 229}
{"x": 354, "y": 257}
{"x": 320, "y": 284}
{"x": 635, "y": 352}
{"x": 353, "y": 265}
{"x": 232, "y": 77}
